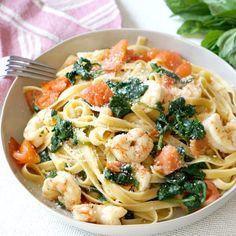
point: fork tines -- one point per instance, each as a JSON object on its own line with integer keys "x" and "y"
{"x": 18, "y": 66}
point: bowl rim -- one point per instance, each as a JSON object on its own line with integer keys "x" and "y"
{"x": 193, "y": 217}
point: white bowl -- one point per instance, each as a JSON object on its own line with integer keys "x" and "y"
{"x": 15, "y": 115}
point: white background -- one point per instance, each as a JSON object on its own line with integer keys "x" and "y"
{"x": 19, "y": 212}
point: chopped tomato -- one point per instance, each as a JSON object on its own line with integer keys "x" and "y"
{"x": 169, "y": 59}
{"x": 152, "y": 54}
{"x": 114, "y": 166}
{"x": 46, "y": 99}
{"x": 168, "y": 160}
{"x": 57, "y": 85}
{"x": 24, "y": 153}
{"x": 145, "y": 56}
{"x": 198, "y": 147}
{"x": 49, "y": 94}
{"x": 13, "y": 146}
{"x": 132, "y": 56}
{"x": 97, "y": 94}
{"x": 212, "y": 193}
{"x": 184, "y": 69}
{"x": 117, "y": 56}
{"x": 30, "y": 97}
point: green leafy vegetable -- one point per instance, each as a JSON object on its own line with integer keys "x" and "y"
{"x": 227, "y": 46}
{"x": 124, "y": 177}
{"x": 82, "y": 175}
{"x": 196, "y": 194}
{"x": 100, "y": 196}
{"x": 211, "y": 39}
{"x": 184, "y": 155}
{"x": 62, "y": 131}
{"x": 187, "y": 6}
{"x": 83, "y": 67}
{"x": 52, "y": 174}
{"x": 178, "y": 121}
{"x": 129, "y": 215}
{"x": 60, "y": 204}
{"x": 187, "y": 181}
{"x": 131, "y": 89}
{"x": 188, "y": 129}
{"x": 36, "y": 108}
{"x": 44, "y": 155}
{"x": 169, "y": 190}
{"x": 222, "y": 7}
{"x": 125, "y": 93}
{"x": 154, "y": 149}
{"x": 120, "y": 106}
{"x": 195, "y": 171}
{"x": 172, "y": 75}
{"x": 180, "y": 108}
{"x": 190, "y": 27}
{"x": 215, "y": 19}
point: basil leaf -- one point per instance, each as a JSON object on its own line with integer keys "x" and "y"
{"x": 211, "y": 39}
{"x": 222, "y": 8}
{"x": 227, "y": 46}
{"x": 190, "y": 27}
{"x": 188, "y": 6}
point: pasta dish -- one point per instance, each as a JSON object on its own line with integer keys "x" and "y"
{"x": 130, "y": 135}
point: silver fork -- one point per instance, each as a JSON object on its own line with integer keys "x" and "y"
{"x": 19, "y": 66}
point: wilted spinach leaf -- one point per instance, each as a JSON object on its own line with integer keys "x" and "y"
{"x": 125, "y": 93}
{"x": 44, "y": 155}
{"x": 83, "y": 68}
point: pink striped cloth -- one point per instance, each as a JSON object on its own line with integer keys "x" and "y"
{"x": 29, "y": 27}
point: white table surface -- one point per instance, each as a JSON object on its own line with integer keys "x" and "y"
{"x": 19, "y": 212}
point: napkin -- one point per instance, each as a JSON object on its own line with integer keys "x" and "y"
{"x": 29, "y": 27}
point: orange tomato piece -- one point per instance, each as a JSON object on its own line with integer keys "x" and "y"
{"x": 97, "y": 94}
{"x": 30, "y": 97}
{"x": 117, "y": 56}
{"x": 145, "y": 56}
{"x": 184, "y": 69}
{"x": 114, "y": 166}
{"x": 51, "y": 91}
{"x": 46, "y": 99}
{"x": 152, "y": 53}
{"x": 212, "y": 193}
{"x": 13, "y": 146}
{"x": 168, "y": 160}
{"x": 57, "y": 85}
{"x": 24, "y": 153}
{"x": 169, "y": 59}
{"x": 198, "y": 147}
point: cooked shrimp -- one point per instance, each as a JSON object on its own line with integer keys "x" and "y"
{"x": 220, "y": 137}
{"x": 134, "y": 146}
{"x": 143, "y": 176}
{"x": 153, "y": 94}
{"x": 64, "y": 188}
{"x": 191, "y": 90}
{"x": 108, "y": 215}
{"x": 36, "y": 129}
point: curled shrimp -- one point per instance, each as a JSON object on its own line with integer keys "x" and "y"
{"x": 220, "y": 137}
{"x": 153, "y": 94}
{"x": 134, "y": 146}
{"x": 108, "y": 215}
{"x": 191, "y": 90}
{"x": 36, "y": 129}
{"x": 64, "y": 188}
